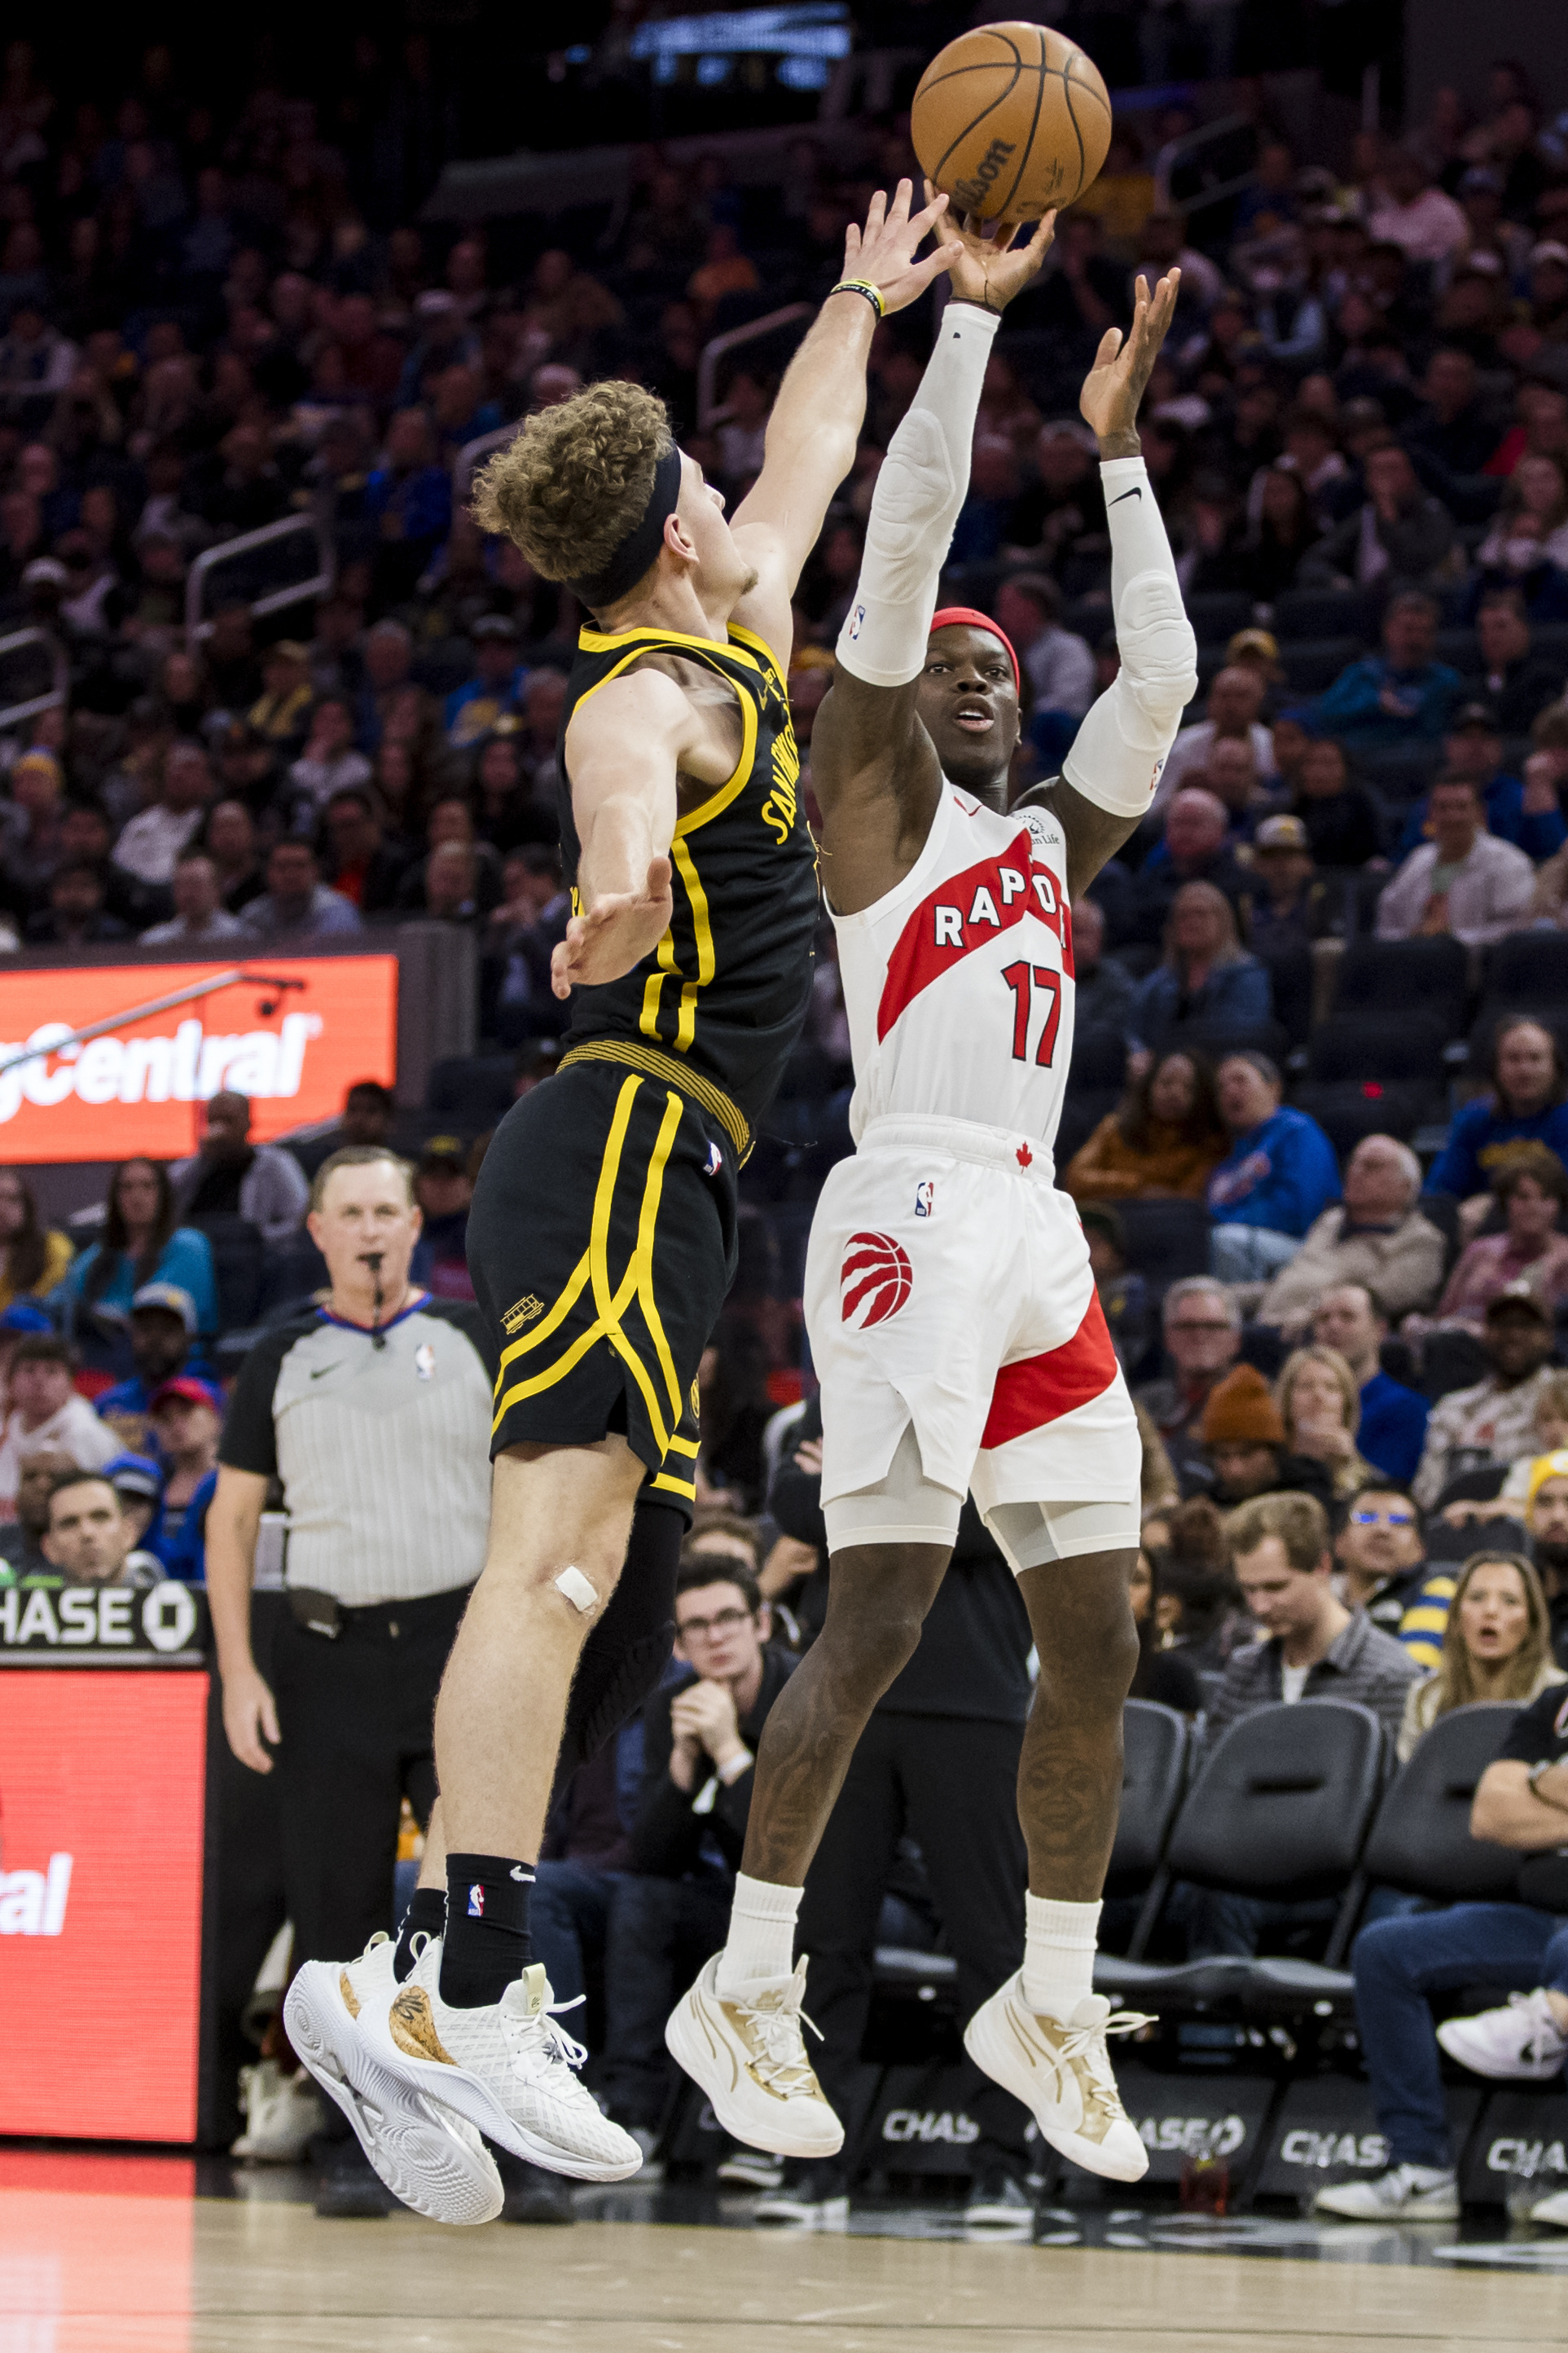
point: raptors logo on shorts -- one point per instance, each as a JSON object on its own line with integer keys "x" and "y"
{"x": 875, "y": 1280}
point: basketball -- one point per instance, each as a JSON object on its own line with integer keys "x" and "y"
{"x": 1011, "y": 119}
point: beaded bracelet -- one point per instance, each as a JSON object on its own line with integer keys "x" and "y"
{"x": 862, "y": 286}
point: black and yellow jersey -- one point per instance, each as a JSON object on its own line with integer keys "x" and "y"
{"x": 722, "y": 1000}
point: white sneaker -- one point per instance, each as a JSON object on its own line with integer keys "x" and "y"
{"x": 508, "y": 2067}
{"x": 812, "y": 2195}
{"x": 1520, "y": 2043}
{"x": 1063, "y": 2073}
{"x": 748, "y": 2056}
{"x": 281, "y": 2113}
{"x": 1552, "y": 2211}
{"x": 430, "y": 2159}
{"x": 1406, "y": 2193}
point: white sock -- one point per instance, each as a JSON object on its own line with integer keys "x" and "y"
{"x": 1058, "y": 1955}
{"x": 760, "y": 1942}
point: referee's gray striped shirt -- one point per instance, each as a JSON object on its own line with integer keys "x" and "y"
{"x": 384, "y": 1453}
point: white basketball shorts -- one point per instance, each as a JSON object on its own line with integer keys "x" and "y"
{"x": 948, "y": 1288}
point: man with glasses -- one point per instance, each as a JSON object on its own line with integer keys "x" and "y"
{"x": 700, "y": 1742}
{"x": 1202, "y": 1339}
{"x": 1380, "y": 1554}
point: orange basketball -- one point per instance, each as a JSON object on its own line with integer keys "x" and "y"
{"x": 1011, "y": 119}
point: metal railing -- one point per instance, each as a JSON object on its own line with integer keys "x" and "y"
{"x": 1192, "y": 148}
{"x": 712, "y": 352}
{"x": 276, "y": 600}
{"x": 59, "y": 672}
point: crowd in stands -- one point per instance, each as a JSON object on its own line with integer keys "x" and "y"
{"x": 1317, "y": 1114}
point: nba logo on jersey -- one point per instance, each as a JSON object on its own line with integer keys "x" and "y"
{"x": 714, "y": 1161}
{"x": 875, "y": 1280}
{"x": 925, "y": 1194}
{"x": 856, "y": 625}
{"x": 477, "y": 1901}
{"x": 425, "y": 1361}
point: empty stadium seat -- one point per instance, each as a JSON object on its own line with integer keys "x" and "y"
{"x": 1421, "y": 1841}
{"x": 1311, "y": 664}
{"x": 1217, "y": 614}
{"x": 1216, "y": 1039}
{"x": 1384, "y": 977}
{"x": 1165, "y": 1240}
{"x": 1280, "y": 1811}
{"x": 1529, "y": 968}
{"x": 1156, "y": 1748}
{"x": 1348, "y": 1108}
{"x": 472, "y": 1091}
{"x": 1098, "y": 1058}
{"x": 1350, "y": 1046}
{"x": 1323, "y": 613}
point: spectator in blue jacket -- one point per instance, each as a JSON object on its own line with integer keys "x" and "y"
{"x": 1527, "y": 1102}
{"x": 1527, "y": 815}
{"x": 1399, "y": 697}
{"x": 1206, "y": 974}
{"x": 1280, "y": 1173}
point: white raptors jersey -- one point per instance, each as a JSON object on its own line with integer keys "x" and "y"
{"x": 959, "y": 983}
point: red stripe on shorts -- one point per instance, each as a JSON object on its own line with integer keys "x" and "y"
{"x": 1039, "y": 1390}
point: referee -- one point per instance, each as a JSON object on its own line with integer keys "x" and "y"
{"x": 373, "y": 1412}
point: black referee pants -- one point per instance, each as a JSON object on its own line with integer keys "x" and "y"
{"x": 952, "y": 1784}
{"x": 357, "y": 1717}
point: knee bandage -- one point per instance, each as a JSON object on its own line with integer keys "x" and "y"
{"x": 916, "y": 503}
{"x": 1120, "y": 748}
{"x": 903, "y": 1508}
{"x": 629, "y": 1645}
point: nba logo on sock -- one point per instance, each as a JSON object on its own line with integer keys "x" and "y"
{"x": 476, "y": 1902}
{"x": 925, "y": 1194}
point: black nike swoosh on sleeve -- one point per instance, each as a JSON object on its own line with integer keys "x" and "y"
{"x": 1135, "y": 492}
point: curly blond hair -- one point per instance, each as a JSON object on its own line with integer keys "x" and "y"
{"x": 576, "y": 480}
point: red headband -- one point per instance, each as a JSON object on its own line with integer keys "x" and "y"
{"x": 953, "y": 616}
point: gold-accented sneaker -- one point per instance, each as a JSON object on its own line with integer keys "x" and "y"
{"x": 1062, "y": 2071}
{"x": 430, "y": 2159}
{"x": 509, "y": 2067}
{"x": 748, "y": 2056}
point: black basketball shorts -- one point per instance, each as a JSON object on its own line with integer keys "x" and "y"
{"x": 601, "y": 1242}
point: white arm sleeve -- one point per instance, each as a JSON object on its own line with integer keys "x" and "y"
{"x": 1119, "y": 750}
{"x": 916, "y": 503}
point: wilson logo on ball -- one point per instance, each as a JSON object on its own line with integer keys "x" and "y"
{"x": 875, "y": 1281}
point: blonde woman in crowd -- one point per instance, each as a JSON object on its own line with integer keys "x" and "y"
{"x": 1319, "y": 1403}
{"x": 1496, "y": 1645}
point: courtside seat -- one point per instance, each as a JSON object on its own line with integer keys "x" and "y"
{"x": 1281, "y": 1812}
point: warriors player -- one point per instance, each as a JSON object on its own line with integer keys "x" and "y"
{"x": 951, "y": 1306}
{"x": 602, "y": 1238}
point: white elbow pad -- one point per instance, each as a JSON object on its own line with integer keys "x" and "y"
{"x": 1159, "y": 652}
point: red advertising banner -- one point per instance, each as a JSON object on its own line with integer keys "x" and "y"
{"x": 294, "y": 1051}
{"x": 101, "y": 1806}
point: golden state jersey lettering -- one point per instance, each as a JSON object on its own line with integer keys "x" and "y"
{"x": 726, "y": 990}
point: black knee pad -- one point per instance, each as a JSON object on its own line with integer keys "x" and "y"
{"x": 629, "y": 1647}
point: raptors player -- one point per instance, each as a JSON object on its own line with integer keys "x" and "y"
{"x": 949, "y": 1297}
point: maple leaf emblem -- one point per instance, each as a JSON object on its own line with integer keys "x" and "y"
{"x": 1025, "y": 1157}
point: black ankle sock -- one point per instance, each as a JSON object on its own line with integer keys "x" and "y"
{"x": 487, "y": 1942}
{"x": 425, "y": 1916}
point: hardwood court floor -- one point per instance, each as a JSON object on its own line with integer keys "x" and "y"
{"x": 150, "y": 2268}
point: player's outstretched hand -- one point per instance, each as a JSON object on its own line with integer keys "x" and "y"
{"x": 617, "y": 931}
{"x": 884, "y": 251}
{"x": 1119, "y": 376}
{"x": 989, "y": 270}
